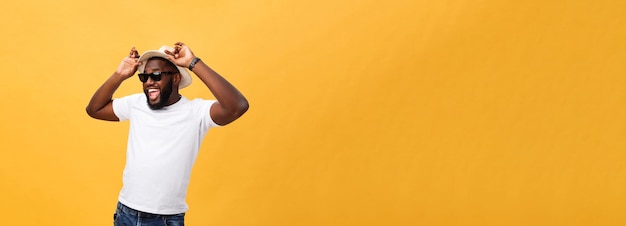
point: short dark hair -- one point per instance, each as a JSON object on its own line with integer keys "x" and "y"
{"x": 169, "y": 63}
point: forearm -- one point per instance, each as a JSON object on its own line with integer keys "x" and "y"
{"x": 232, "y": 101}
{"x": 104, "y": 95}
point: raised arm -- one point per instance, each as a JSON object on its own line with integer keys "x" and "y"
{"x": 231, "y": 104}
{"x": 101, "y": 104}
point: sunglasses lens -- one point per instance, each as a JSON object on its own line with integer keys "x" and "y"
{"x": 143, "y": 77}
{"x": 155, "y": 77}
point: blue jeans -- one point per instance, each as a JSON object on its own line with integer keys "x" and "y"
{"x": 125, "y": 216}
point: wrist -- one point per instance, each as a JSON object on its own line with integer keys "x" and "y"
{"x": 117, "y": 78}
{"x": 120, "y": 76}
{"x": 193, "y": 63}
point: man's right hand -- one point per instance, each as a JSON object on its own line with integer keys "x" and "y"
{"x": 101, "y": 104}
{"x": 128, "y": 66}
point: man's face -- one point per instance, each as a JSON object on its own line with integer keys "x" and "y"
{"x": 158, "y": 92}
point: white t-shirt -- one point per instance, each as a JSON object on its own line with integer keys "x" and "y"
{"x": 162, "y": 148}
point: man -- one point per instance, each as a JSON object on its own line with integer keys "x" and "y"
{"x": 166, "y": 129}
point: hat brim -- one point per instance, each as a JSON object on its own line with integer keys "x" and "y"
{"x": 185, "y": 76}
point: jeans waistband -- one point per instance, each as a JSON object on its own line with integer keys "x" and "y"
{"x": 123, "y": 208}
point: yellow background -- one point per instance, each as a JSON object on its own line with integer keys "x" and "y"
{"x": 422, "y": 112}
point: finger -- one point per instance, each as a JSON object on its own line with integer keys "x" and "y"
{"x": 134, "y": 53}
{"x": 171, "y": 58}
{"x": 179, "y": 46}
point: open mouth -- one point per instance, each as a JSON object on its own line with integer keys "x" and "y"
{"x": 153, "y": 94}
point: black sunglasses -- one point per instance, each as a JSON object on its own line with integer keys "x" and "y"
{"x": 155, "y": 76}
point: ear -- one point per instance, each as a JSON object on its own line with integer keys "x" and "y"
{"x": 177, "y": 78}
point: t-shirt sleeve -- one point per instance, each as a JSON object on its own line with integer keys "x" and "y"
{"x": 122, "y": 106}
{"x": 205, "y": 112}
